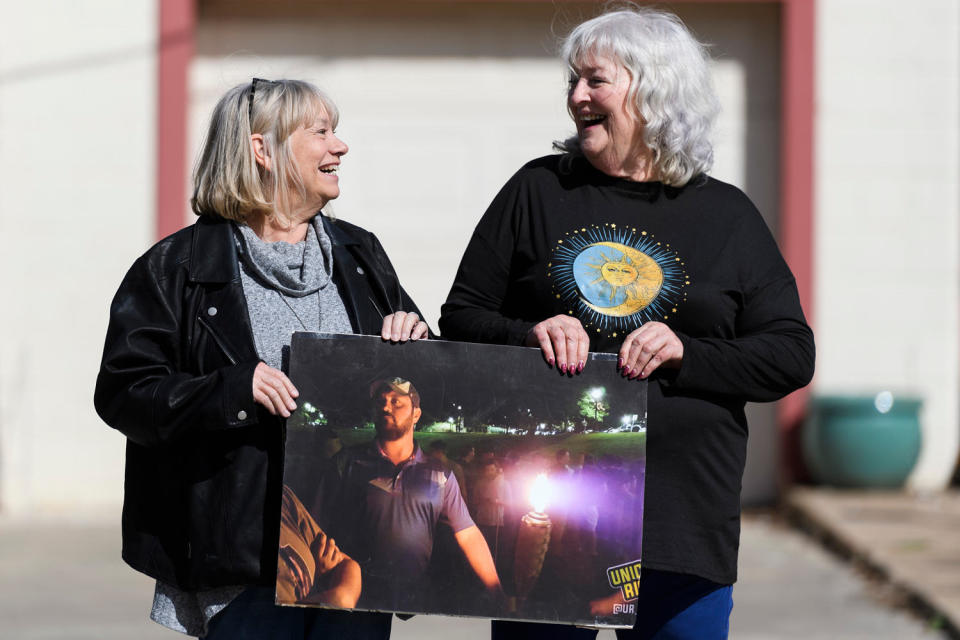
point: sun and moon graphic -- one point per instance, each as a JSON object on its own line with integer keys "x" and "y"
{"x": 616, "y": 278}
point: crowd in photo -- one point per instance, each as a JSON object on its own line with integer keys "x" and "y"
{"x": 594, "y": 505}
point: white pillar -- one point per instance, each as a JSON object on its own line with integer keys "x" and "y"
{"x": 887, "y": 233}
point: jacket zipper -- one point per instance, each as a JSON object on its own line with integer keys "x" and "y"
{"x": 217, "y": 339}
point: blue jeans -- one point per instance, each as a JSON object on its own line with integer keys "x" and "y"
{"x": 253, "y": 616}
{"x": 671, "y": 606}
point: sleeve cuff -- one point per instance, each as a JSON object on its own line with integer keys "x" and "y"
{"x": 675, "y": 378}
{"x": 519, "y": 332}
{"x": 239, "y": 408}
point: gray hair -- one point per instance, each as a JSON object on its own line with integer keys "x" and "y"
{"x": 228, "y": 182}
{"x": 670, "y": 85}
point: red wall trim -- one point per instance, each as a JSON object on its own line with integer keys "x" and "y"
{"x": 174, "y": 52}
{"x": 798, "y": 32}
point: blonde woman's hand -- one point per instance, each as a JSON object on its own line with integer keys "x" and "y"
{"x": 273, "y": 389}
{"x": 402, "y": 326}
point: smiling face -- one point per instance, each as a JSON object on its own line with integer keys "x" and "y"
{"x": 610, "y": 132}
{"x": 317, "y": 151}
{"x": 394, "y": 415}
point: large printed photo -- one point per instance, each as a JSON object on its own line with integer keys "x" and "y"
{"x": 461, "y": 479}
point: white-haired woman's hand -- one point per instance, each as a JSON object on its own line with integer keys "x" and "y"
{"x": 651, "y": 346}
{"x": 563, "y": 341}
{"x": 402, "y": 326}
{"x": 273, "y": 389}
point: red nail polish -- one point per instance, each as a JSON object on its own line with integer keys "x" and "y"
{"x": 619, "y": 363}
{"x": 550, "y": 361}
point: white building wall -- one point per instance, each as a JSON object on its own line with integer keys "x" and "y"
{"x": 887, "y": 210}
{"x": 77, "y": 155}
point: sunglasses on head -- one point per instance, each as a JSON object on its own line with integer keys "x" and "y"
{"x": 253, "y": 90}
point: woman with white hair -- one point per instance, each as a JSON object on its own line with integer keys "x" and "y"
{"x": 623, "y": 244}
{"x": 193, "y": 365}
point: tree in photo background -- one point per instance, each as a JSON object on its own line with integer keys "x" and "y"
{"x": 592, "y": 405}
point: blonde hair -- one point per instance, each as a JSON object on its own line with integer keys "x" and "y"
{"x": 227, "y": 181}
{"x": 671, "y": 88}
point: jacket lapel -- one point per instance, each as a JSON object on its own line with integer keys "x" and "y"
{"x": 345, "y": 270}
{"x": 213, "y": 257}
{"x": 221, "y": 305}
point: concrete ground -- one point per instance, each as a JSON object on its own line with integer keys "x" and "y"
{"x": 910, "y": 542}
{"x": 66, "y": 582}
{"x": 789, "y": 587}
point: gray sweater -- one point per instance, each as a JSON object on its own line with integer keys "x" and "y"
{"x": 289, "y": 287}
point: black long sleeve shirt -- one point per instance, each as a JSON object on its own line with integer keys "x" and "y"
{"x": 564, "y": 238}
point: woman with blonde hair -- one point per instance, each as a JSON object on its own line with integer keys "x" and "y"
{"x": 193, "y": 365}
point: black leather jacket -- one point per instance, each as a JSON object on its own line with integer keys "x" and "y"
{"x": 204, "y": 462}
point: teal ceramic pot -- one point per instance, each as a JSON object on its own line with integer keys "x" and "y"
{"x": 862, "y": 441}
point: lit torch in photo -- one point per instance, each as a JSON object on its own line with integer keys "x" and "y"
{"x": 533, "y": 539}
